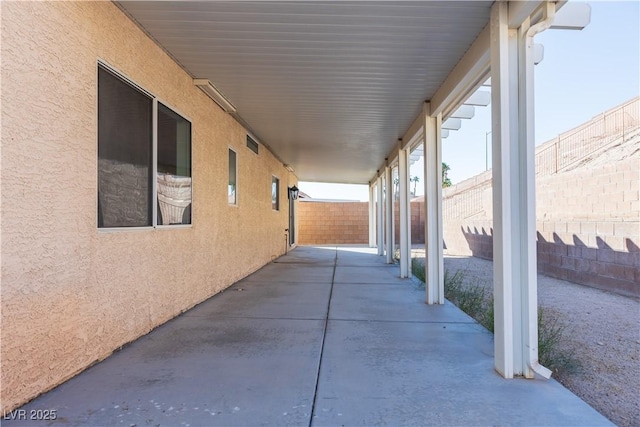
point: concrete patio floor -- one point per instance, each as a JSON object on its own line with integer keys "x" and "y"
{"x": 323, "y": 336}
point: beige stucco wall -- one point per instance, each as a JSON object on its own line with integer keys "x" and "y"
{"x": 71, "y": 293}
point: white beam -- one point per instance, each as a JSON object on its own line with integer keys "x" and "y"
{"x": 469, "y": 74}
{"x": 405, "y": 214}
{"x": 464, "y": 112}
{"x": 390, "y": 159}
{"x": 380, "y": 215}
{"x": 573, "y": 16}
{"x": 514, "y": 245}
{"x": 434, "y": 268}
{"x": 481, "y": 98}
{"x": 372, "y": 217}
{"x": 519, "y": 11}
{"x": 452, "y": 124}
{"x": 533, "y": 12}
{"x": 415, "y": 128}
{"x": 388, "y": 214}
{"x": 474, "y": 68}
{"x": 502, "y": 280}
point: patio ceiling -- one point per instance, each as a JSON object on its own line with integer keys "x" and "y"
{"x": 328, "y": 86}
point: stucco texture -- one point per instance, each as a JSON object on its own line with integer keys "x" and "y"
{"x": 71, "y": 294}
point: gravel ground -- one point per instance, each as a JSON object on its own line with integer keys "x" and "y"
{"x": 602, "y": 328}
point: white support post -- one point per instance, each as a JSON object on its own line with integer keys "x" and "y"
{"x": 372, "y": 216}
{"x": 405, "y": 213}
{"x": 380, "y": 216}
{"x": 434, "y": 264}
{"x": 514, "y": 244}
{"x": 388, "y": 214}
{"x": 394, "y": 195}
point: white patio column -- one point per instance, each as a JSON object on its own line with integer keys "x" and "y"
{"x": 388, "y": 213}
{"x": 380, "y": 216}
{"x": 372, "y": 216}
{"x": 514, "y": 213}
{"x": 434, "y": 266}
{"x": 405, "y": 213}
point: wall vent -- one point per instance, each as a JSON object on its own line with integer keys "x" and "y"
{"x": 253, "y": 146}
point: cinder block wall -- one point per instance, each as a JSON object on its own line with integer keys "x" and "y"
{"x": 417, "y": 221}
{"x": 467, "y": 217}
{"x": 588, "y": 223}
{"x": 348, "y": 222}
{"x": 333, "y": 222}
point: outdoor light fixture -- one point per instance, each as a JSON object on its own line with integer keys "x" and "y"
{"x": 215, "y": 94}
{"x": 293, "y": 193}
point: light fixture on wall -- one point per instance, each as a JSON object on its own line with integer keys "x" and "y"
{"x": 293, "y": 193}
{"x": 207, "y": 87}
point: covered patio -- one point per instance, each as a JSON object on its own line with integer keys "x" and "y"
{"x": 322, "y": 336}
{"x": 348, "y": 92}
{"x": 248, "y": 99}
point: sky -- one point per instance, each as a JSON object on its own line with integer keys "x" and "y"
{"x": 583, "y": 74}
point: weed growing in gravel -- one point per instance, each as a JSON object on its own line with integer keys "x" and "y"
{"x": 417, "y": 269}
{"x": 477, "y": 302}
{"x": 551, "y": 353}
{"x": 473, "y": 299}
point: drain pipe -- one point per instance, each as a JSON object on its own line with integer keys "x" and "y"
{"x": 548, "y": 14}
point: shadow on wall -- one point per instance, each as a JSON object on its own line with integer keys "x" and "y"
{"x": 601, "y": 267}
{"x": 480, "y": 242}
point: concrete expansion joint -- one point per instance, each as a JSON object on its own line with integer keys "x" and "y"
{"x": 324, "y": 337}
{"x": 448, "y": 322}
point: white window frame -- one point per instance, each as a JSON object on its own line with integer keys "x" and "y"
{"x": 277, "y": 201}
{"x": 237, "y": 174}
{"x": 154, "y": 153}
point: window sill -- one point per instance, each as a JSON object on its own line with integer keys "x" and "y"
{"x": 137, "y": 229}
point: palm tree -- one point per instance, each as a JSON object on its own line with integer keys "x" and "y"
{"x": 415, "y": 180}
{"x": 446, "y": 181}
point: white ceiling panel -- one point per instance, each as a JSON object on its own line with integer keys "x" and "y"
{"x": 329, "y": 86}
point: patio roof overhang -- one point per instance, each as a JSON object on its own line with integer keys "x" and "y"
{"x": 329, "y": 87}
{"x": 342, "y": 91}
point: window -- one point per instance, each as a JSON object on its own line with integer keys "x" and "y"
{"x": 253, "y": 146}
{"x": 275, "y": 193}
{"x": 174, "y": 168}
{"x": 233, "y": 177}
{"x": 124, "y": 153}
{"x": 125, "y": 158}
